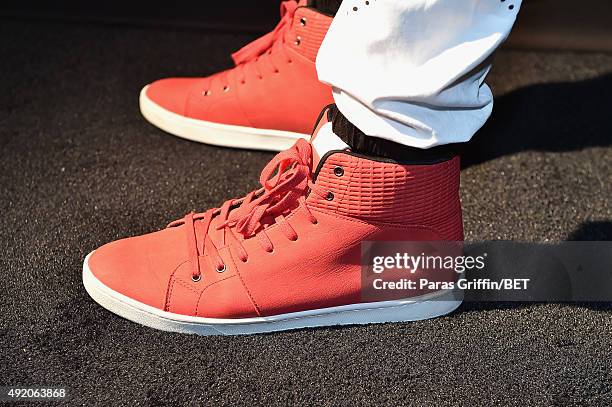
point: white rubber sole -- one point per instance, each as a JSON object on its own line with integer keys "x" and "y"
{"x": 215, "y": 133}
{"x": 416, "y": 309}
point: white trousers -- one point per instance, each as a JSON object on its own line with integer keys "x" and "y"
{"x": 413, "y": 71}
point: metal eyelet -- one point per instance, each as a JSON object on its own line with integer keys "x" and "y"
{"x": 197, "y": 278}
{"x": 298, "y": 40}
{"x": 330, "y": 196}
{"x": 222, "y": 269}
{"x": 339, "y": 171}
{"x": 303, "y": 21}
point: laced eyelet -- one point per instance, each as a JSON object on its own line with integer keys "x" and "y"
{"x": 270, "y": 251}
{"x": 197, "y": 278}
{"x": 339, "y": 171}
{"x": 329, "y": 196}
{"x": 206, "y": 93}
{"x": 244, "y": 260}
{"x": 298, "y": 40}
{"x": 221, "y": 270}
{"x": 315, "y": 222}
{"x": 303, "y": 21}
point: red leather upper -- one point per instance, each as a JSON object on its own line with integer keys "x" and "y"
{"x": 315, "y": 261}
{"x": 273, "y": 86}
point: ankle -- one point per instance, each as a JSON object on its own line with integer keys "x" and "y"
{"x": 375, "y": 147}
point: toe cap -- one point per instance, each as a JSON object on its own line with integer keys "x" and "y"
{"x": 172, "y": 93}
{"x": 140, "y": 267}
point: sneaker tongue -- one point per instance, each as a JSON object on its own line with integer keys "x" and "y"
{"x": 323, "y": 141}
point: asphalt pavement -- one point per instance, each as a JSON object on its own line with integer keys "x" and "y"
{"x": 79, "y": 167}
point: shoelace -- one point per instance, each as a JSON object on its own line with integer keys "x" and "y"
{"x": 252, "y": 56}
{"x": 286, "y": 182}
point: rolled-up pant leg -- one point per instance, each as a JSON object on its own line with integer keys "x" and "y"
{"x": 413, "y": 71}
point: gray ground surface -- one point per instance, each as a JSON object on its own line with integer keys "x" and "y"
{"x": 80, "y": 167}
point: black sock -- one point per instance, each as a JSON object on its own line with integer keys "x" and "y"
{"x": 377, "y": 147}
{"x": 329, "y": 7}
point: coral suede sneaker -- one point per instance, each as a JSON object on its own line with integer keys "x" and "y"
{"x": 267, "y": 101}
{"x": 288, "y": 255}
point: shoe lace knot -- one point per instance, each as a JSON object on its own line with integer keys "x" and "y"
{"x": 285, "y": 179}
{"x": 286, "y": 182}
{"x": 261, "y": 45}
{"x": 254, "y": 59}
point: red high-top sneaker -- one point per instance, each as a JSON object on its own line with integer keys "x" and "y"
{"x": 268, "y": 101}
{"x": 288, "y": 255}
